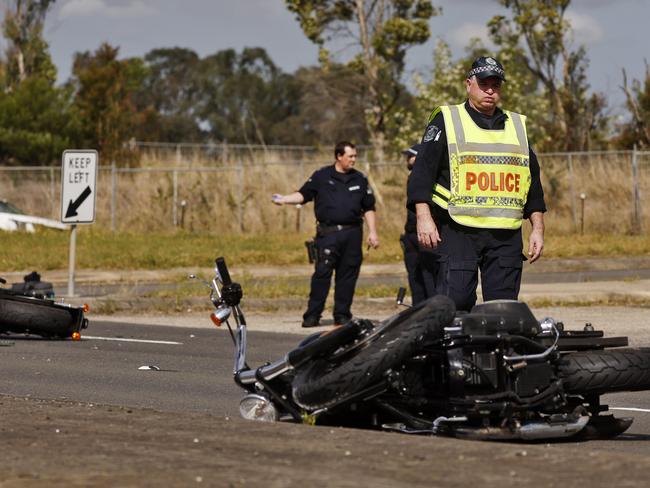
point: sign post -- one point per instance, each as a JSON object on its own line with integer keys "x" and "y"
{"x": 78, "y": 197}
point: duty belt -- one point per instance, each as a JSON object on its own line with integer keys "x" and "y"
{"x": 328, "y": 229}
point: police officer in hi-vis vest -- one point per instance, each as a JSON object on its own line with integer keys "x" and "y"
{"x": 474, "y": 181}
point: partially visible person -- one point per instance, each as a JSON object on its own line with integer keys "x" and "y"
{"x": 474, "y": 181}
{"x": 343, "y": 199}
{"x": 421, "y": 264}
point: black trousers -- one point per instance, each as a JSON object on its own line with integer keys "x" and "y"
{"x": 339, "y": 252}
{"x": 463, "y": 251}
{"x": 421, "y": 266}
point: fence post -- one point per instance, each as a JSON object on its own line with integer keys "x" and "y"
{"x": 174, "y": 197}
{"x": 54, "y": 202}
{"x": 240, "y": 200}
{"x": 572, "y": 194}
{"x": 636, "y": 195}
{"x": 113, "y": 194}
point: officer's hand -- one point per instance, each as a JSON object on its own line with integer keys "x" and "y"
{"x": 373, "y": 240}
{"x": 535, "y": 245}
{"x": 428, "y": 236}
{"x": 277, "y": 199}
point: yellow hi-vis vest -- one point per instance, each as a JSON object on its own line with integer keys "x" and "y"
{"x": 488, "y": 170}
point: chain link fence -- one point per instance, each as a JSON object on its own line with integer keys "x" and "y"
{"x": 590, "y": 192}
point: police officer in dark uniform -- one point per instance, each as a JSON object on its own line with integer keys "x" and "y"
{"x": 342, "y": 199}
{"x": 421, "y": 264}
{"x": 474, "y": 180}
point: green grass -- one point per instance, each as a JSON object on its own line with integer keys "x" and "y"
{"x": 268, "y": 289}
{"x": 277, "y": 296}
{"x": 48, "y": 249}
{"x": 595, "y": 245}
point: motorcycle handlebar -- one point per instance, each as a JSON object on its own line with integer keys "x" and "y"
{"x": 223, "y": 271}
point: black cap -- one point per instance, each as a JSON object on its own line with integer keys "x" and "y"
{"x": 412, "y": 151}
{"x": 485, "y": 67}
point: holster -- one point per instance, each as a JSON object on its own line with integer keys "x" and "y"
{"x": 312, "y": 252}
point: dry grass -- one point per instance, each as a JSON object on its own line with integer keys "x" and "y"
{"x": 225, "y": 197}
{"x": 607, "y": 183}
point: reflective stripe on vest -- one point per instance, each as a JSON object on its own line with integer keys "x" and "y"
{"x": 488, "y": 169}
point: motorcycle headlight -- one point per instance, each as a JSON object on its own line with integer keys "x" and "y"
{"x": 258, "y": 407}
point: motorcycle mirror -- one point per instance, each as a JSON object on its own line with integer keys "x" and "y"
{"x": 194, "y": 277}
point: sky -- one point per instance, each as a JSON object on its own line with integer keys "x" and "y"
{"x": 615, "y": 32}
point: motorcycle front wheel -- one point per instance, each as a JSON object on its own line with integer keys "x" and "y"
{"x": 325, "y": 382}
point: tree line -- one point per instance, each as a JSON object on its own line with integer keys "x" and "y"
{"x": 174, "y": 95}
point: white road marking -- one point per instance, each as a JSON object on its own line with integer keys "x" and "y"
{"x": 122, "y": 339}
{"x": 631, "y": 409}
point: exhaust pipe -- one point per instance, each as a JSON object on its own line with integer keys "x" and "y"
{"x": 529, "y": 431}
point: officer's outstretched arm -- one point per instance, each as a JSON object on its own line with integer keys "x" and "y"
{"x": 536, "y": 239}
{"x": 291, "y": 199}
{"x": 428, "y": 236}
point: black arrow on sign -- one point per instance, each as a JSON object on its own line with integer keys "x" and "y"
{"x": 73, "y": 206}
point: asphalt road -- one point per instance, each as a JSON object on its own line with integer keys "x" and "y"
{"x": 195, "y": 372}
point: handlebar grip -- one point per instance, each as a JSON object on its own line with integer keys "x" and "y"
{"x": 223, "y": 271}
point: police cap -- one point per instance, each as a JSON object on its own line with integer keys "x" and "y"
{"x": 485, "y": 67}
{"x": 412, "y": 151}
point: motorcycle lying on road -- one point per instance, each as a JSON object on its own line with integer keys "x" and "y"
{"x": 495, "y": 373}
{"x": 32, "y": 312}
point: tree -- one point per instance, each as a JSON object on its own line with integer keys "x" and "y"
{"x": 381, "y": 32}
{"x": 228, "y": 96}
{"x": 243, "y": 97}
{"x": 447, "y": 86}
{"x": 104, "y": 90}
{"x": 27, "y": 52}
{"x": 37, "y": 122}
{"x": 537, "y": 37}
{"x": 329, "y": 104}
{"x": 168, "y": 96}
{"x": 636, "y": 131}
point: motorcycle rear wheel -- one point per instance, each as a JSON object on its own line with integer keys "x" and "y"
{"x": 325, "y": 382}
{"x": 28, "y": 315}
{"x": 608, "y": 371}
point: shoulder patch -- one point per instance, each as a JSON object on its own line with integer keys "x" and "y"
{"x": 430, "y": 133}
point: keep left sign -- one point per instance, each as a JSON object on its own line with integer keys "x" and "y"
{"x": 78, "y": 186}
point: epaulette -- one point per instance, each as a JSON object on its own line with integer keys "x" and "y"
{"x": 435, "y": 112}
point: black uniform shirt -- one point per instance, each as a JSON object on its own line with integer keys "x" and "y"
{"x": 411, "y": 225}
{"x": 432, "y": 164}
{"x": 339, "y": 198}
